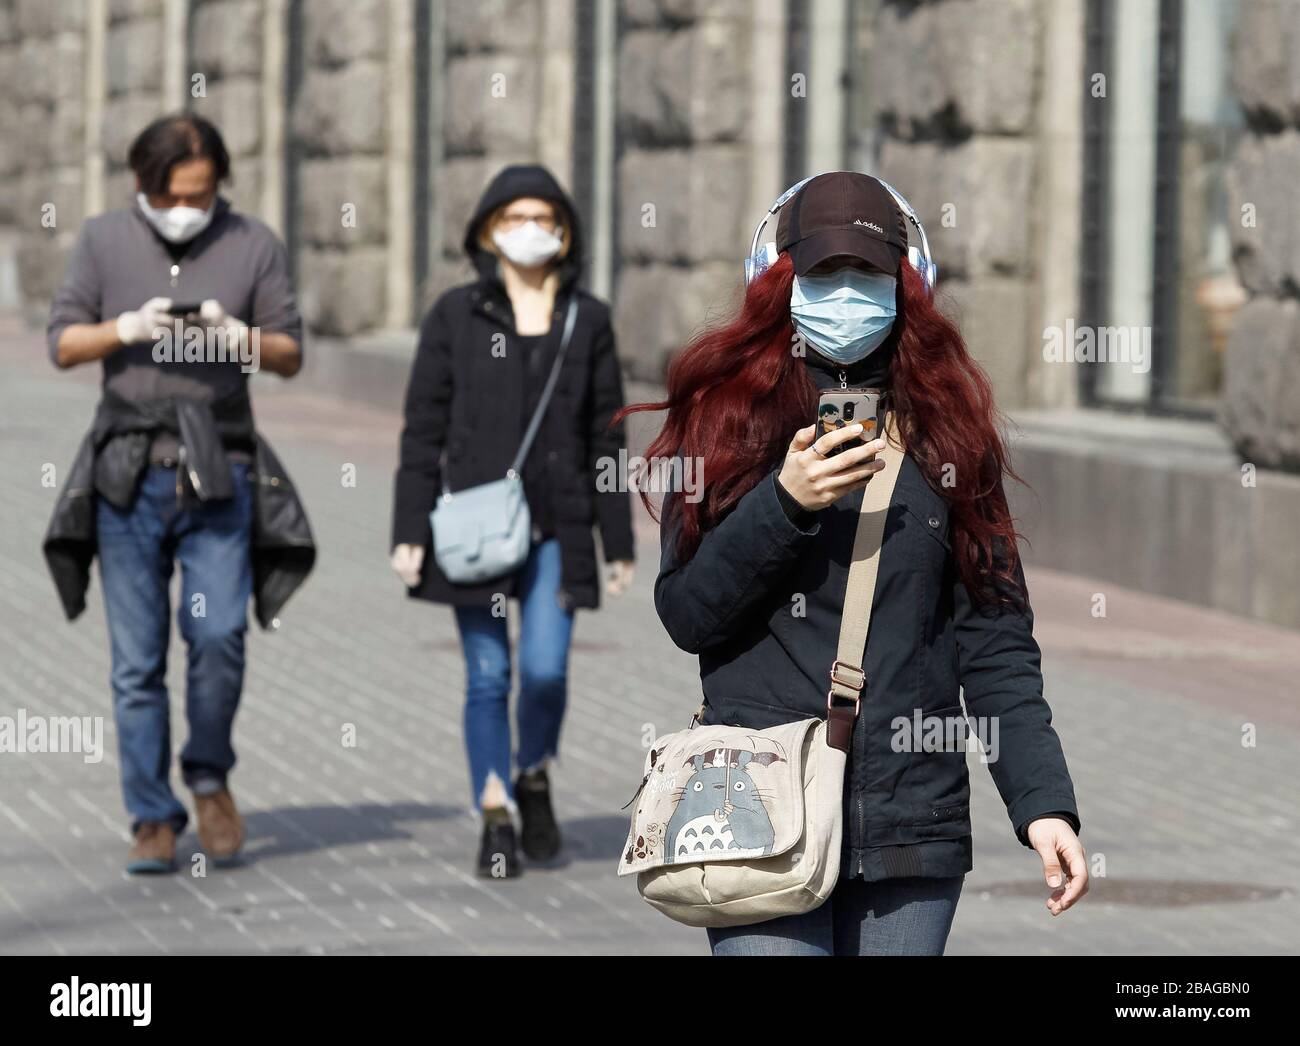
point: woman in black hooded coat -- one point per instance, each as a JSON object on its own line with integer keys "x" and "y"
{"x": 485, "y": 350}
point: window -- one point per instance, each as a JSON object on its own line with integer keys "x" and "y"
{"x": 1158, "y": 288}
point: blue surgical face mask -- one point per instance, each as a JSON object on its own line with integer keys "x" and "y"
{"x": 845, "y": 315}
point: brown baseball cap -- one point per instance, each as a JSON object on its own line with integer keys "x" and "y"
{"x": 839, "y": 213}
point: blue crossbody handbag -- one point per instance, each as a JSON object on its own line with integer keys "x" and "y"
{"x": 483, "y": 532}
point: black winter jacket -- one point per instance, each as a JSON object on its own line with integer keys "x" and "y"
{"x": 765, "y": 658}
{"x": 113, "y": 456}
{"x": 467, "y": 407}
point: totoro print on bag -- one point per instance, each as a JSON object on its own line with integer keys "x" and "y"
{"x": 717, "y": 794}
{"x": 720, "y": 812}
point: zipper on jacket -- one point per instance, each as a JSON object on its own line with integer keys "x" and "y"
{"x": 844, "y": 378}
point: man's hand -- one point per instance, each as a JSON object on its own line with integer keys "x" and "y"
{"x": 213, "y": 314}
{"x": 138, "y": 326}
{"x": 1058, "y": 846}
{"x": 407, "y": 561}
{"x": 278, "y": 353}
{"x": 86, "y": 342}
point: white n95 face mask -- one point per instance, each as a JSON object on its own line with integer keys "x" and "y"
{"x": 845, "y": 315}
{"x": 528, "y": 245}
{"x": 176, "y": 224}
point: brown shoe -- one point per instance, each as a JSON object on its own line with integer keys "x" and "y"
{"x": 154, "y": 852}
{"x": 221, "y": 829}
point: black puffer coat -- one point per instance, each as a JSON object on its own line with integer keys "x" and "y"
{"x": 467, "y": 407}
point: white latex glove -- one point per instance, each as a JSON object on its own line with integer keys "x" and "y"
{"x": 135, "y": 327}
{"x": 213, "y": 314}
{"x": 407, "y": 561}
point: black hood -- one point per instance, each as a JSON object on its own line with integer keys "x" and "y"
{"x": 525, "y": 179}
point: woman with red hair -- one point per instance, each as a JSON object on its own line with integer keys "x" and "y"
{"x": 753, "y": 573}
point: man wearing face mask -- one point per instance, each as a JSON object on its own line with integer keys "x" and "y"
{"x": 179, "y": 297}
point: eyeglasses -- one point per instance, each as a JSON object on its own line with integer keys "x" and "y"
{"x": 514, "y": 219}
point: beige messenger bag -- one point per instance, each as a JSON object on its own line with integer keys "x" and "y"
{"x": 735, "y": 826}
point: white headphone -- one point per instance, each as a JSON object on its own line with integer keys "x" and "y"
{"x": 762, "y": 258}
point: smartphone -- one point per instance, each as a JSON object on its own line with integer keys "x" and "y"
{"x": 840, "y": 407}
{"x": 184, "y": 308}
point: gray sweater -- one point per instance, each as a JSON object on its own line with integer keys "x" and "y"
{"x": 119, "y": 263}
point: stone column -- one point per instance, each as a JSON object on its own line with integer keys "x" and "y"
{"x": 399, "y": 158}
{"x": 767, "y": 91}
{"x": 828, "y": 27}
{"x": 175, "y": 80}
{"x": 275, "y": 106}
{"x": 93, "y": 142}
{"x": 1058, "y": 218}
{"x": 555, "y": 117}
{"x": 601, "y": 220}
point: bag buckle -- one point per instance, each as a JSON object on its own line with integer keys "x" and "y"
{"x": 855, "y": 681}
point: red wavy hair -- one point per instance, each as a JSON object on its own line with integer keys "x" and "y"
{"x": 737, "y": 394}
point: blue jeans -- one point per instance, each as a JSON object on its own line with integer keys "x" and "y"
{"x": 137, "y": 547}
{"x": 544, "y": 633}
{"x": 890, "y": 917}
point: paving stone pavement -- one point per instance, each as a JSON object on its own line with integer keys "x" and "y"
{"x": 369, "y": 848}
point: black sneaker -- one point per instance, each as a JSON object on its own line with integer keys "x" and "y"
{"x": 498, "y": 854}
{"x": 541, "y": 835}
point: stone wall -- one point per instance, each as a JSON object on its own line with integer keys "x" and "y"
{"x": 1261, "y": 399}
{"x": 226, "y": 51}
{"x": 133, "y": 88}
{"x": 955, "y": 85}
{"x": 41, "y": 136}
{"x": 493, "y": 107}
{"x": 957, "y": 94}
{"x": 682, "y": 219}
{"x": 338, "y": 126}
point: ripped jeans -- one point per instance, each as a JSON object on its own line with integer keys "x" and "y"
{"x": 544, "y": 634}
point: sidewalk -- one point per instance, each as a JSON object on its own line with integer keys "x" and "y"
{"x": 369, "y": 848}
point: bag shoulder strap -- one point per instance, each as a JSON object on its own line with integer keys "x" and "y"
{"x": 848, "y": 679}
{"x": 552, "y": 380}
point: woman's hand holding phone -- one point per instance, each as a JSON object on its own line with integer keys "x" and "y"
{"x": 815, "y": 479}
